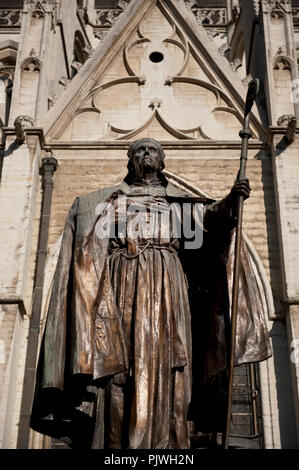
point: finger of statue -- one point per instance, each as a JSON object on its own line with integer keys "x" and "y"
{"x": 243, "y": 185}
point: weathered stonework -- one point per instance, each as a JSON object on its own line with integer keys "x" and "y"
{"x": 94, "y": 79}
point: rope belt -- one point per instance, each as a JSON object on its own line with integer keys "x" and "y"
{"x": 150, "y": 244}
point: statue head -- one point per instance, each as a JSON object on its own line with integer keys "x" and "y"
{"x": 21, "y": 123}
{"x": 145, "y": 156}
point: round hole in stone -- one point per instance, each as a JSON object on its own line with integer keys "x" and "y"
{"x": 156, "y": 57}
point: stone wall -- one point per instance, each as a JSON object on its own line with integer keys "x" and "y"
{"x": 194, "y": 93}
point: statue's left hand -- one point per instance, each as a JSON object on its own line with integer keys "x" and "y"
{"x": 240, "y": 188}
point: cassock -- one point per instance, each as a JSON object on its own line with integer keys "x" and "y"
{"x": 137, "y": 333}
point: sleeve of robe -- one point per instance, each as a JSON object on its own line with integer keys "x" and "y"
{"x": 55, "y": 333}
{"x": 210, "y": 281}
{"x": 252, "y": 338}
{"x": 48, "y": 399}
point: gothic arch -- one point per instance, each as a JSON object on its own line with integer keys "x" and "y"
{"x": 283, "y": 62}
{"x": 79, "y": 53}
{"x": 31, "y": 64}
{"x": 8, "y": 53}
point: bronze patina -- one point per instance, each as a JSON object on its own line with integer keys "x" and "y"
{"x": 136, "y": 343}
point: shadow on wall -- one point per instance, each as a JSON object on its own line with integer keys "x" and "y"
{"x": 278, "y": 332}
{"x": 285, "y": 396}
{"x": 6, "y": 153}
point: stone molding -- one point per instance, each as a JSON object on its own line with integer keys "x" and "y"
{"x": 24, "y": 132}
{"x": 105, "y": 18}
{"x": 276, "y": 8}
{"x": 10, "y": 18}
{"x": 42, "y": 7}
{"x": 208, "y": 16}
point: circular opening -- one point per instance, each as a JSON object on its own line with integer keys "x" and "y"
{"x": 156, "y": 57}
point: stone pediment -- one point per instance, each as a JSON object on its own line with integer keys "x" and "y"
{"x": 156, "y": 72}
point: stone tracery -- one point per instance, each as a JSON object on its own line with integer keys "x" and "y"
{"x": 159, "y": 83}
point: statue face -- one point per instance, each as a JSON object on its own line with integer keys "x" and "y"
{"x": 146, "y": 158}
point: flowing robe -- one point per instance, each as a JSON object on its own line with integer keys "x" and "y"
{"x": 152, "y": 299}
{"x": 119, "y": 322}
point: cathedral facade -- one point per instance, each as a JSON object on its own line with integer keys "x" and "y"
{"x": 79, "y": 81}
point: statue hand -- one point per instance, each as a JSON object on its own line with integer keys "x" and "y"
{"x": 240, "y": 188}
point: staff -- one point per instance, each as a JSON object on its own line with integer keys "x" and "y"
{"x": 245, "y": 135}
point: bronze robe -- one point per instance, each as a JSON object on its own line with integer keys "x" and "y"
{"x": 93, "y": 317}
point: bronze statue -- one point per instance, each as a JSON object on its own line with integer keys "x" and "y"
{"x": 135, "y": 347}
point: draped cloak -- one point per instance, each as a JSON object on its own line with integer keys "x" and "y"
{"x": 85, "y": 344}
